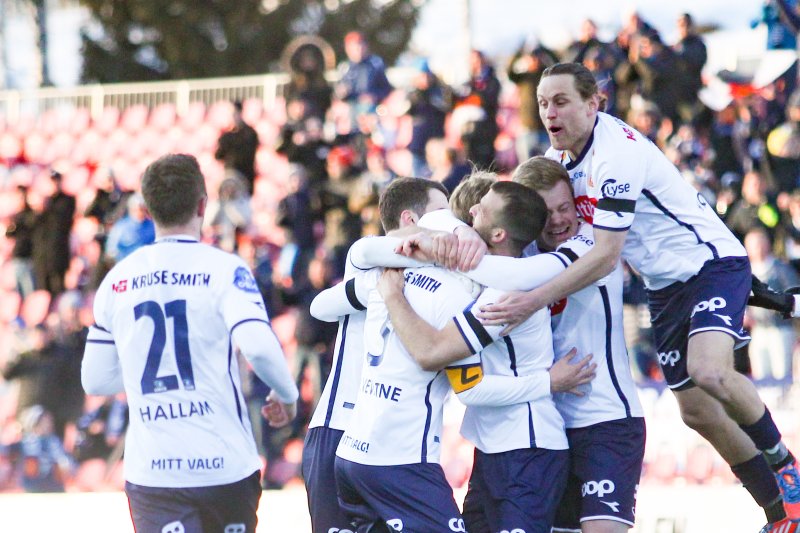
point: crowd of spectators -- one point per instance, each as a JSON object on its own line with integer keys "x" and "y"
{"x": 292, "y": 198}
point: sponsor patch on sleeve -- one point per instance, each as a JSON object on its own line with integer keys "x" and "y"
{"x": 244, "y": 280}
{"x": 464, "y": 377}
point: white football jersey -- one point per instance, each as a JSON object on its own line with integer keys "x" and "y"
{"x": 591, "y": 321}
{"x": 398, "y": 414}
{"x": 338, "y": 397}
{"x": 622, "y": 181}
{"x": 169, "y": 308}
{"x": 528, "y": 349}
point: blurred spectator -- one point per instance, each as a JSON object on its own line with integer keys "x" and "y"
{"x": 587, "y": 40}
{"x": 654, "y": 66}
{"x": 108, "y": 204}
{"x": 727, "y": 141}
{"x": 367, "y": 191}
{"x": 773, "y": 337}
{"x": 229, "y": 215}
{"x": 691, "y": 53}
{"x": 130, "y": 232}
{"x": 297, "y": 216}
{"x": 446, "y": 163}
{"x": 363, "y": 83}
{"x": 342, "y": 226}
{"x": 100, "y": 430}
{"x": 307, "y": 80}
{"x": 601, "y": 62}
{"x": 783, "y": 146}
{"x": 790, "y": 231}
{"x": 477, "y": 103}
{"x": 50, "y": 238}
{"x": 40, "y": 454}
{"x": 301, "y": 141}
{"x": 525, "y": 70}
{"x": 781, "y": 20}
{"x": 753, "y": 209}
{"x": 236, "y": 148}
{"x": 21, "y": 230}
{"x": 428, "y": 104}
{"x": 260, "y": 262}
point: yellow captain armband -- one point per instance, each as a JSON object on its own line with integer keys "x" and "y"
{"x": 464, "y": 377}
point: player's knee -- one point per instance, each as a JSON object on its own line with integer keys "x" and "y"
{"x": 709, "y": 377}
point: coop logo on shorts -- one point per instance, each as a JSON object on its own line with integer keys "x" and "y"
{"x": 243, "y": 279}
{"x": 235, "y": 528}
{"x": 395, "y": 523}
{"x": 515, "y": 530}
{"x": 337, "y": 530}
{"x": 710, "y": 305}
{"x": 601, "y": 488}
{"x": 669, "y": 358}
{"x": 457, "y": 524}
{"x": 611, "y": 188}
{"x": 174, "y": 527}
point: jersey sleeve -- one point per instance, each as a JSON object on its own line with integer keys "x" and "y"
{"x": 475, "y": 334}
{"x": 240, "y": 299}
{"x": 369, "y": 252}
{"x": 619, "y": 179}
{"x": 473, "y": 387}
{"x": 101, "y": 372}
{"x": 344, "y": 298}
{"x": 518, "y": 273}
{"x": 441, "y": 220}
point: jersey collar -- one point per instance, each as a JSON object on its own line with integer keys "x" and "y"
{"x": 176, "y": 238}
{"x": 572, "y": 164}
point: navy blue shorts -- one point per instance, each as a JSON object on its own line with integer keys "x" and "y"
{"x": 412, "y": 498}
{"x": 712, "y": 300}
{"x": 519, "y": 490}
{"x": 605, "y": 467}
{"x": 217, "y": 509}
{"x": 319, "y": 453}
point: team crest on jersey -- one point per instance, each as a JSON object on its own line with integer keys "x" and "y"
{"x": 243, "y": 279}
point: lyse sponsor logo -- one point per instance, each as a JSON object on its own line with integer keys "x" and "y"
{"x": 612, "y": 188}
{"x": 457, "y": 524}
{"x": 122, "y": 286}
{"x": 669, "y": 358}
{"x": 710, "y": 305}
{"x": 601, "y": 488}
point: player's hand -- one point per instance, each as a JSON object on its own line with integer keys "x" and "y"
{"x": 277, "y": 413}
{"x": 510, "y": 310}
{"x": 567, "y": 374}
{"x": 444, "y": 248}
{"x": 418, "y": 246}
{"x": 763, "y": 296}
{"x": 471, "y": 248}
{"x": 391, "y": 283}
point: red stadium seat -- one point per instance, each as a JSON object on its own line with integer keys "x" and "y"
{"x": 220, "y": 115}
{"x": 252, "y": 109}
{"x": 193, "y": 116}
{"x": 162, "y": 117}
{"x": 134, "y": 118}
{"x": 108, "y": 121}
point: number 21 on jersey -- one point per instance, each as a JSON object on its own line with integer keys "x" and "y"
{"x": 176, "y": 310}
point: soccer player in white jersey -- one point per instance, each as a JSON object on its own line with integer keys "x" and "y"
{"x": 387, "y": 467}
{"x": 696, "y": 272}
{"x": 404, "y": 202}
{"x": 521, "y": 462}
{"x": 168, "y": 321}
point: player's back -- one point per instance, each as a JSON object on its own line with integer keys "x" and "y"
{"x": 170, "y": 308}
{"x": 398, "y": 413}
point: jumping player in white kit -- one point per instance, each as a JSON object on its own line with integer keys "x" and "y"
{"x": 696, "y": 272}
{"x": 169, "y": 319}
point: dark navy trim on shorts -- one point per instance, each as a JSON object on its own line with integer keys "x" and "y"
{"x": 652, "y": 197}
{"x": 337, "y": 372}
{"x": 512, "y": 355}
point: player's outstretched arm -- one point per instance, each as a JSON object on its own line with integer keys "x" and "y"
{"x": 370, "y": 252}
{"x": 101, "y": 373}
{"x": 514, "y": 308}
{"x": 431, "y": 348}
{"x": 344, "y": 298}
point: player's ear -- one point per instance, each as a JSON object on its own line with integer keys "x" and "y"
{"x": 408, "y": 218}
{"x": 498, "y": 235}
{"x": 201, "y": 206}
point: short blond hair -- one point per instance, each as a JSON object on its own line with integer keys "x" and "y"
{"x": 469, "y": 192}
{"x": 541, "y": 174}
